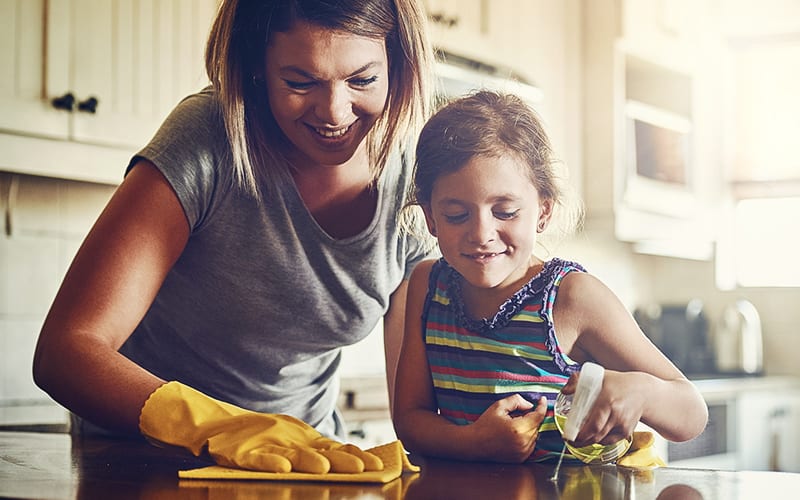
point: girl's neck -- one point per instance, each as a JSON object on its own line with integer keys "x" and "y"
{"x": 482, "y": 303}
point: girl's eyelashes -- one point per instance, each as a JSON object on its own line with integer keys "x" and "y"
{"x": 456, "y": 219}
{"x": 506, "y": 215}
{"x": 462, "y": 217}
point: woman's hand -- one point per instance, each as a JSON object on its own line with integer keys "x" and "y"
{"x": 510, "y": 428}
{"x": 615, "y": 412}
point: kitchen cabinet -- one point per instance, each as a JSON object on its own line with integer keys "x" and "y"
{"x": 660, "y": 57}
{"x": 97, "y": 73}
{"x": 754, "y": 424}
{"x": 505, "y": 33}
{"x": 458, "y": 25}
{"x": 364, "y": 405}
{"x": 537, "y": 41}
{"x": 665, "y": 29}
{"x": 768, "y": 432}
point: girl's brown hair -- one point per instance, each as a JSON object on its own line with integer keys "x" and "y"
{"x": 492, "y": 124}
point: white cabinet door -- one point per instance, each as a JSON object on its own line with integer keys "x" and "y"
{"x": 24, "y": 101}
{"x": 767, "y": 430}
{"x": 126, "y": 64}
{"x": 459, "y": 26}
{"x": 137, "y": 58}
{"x": 787, "y": 423}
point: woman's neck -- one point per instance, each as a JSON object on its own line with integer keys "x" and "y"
{"x": 341, "y": 198}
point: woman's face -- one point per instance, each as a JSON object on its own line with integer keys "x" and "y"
{"x": 326, "y": 89}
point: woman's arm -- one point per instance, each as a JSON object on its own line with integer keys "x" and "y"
{"x": 106, "y": 292}
{"x": 496, "y": 435}
{"x": 641, "y": 383}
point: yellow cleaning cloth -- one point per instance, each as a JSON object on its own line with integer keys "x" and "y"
{"x": 641, "y": 454}
{"x": 395, "y": 462}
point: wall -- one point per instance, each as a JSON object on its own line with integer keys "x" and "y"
{"x": 46, "y": 220}
{"x": 559, "y": 47}
{"x": 676, "y": 280}
{"x": 641, "y": 279}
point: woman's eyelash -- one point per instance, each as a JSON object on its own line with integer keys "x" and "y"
{"x": 363, "y": 82}
{"x": 358, "y": 82}
{"x": 298, "y": 85}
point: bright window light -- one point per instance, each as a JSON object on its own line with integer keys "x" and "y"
{"x": 766, "y": 239}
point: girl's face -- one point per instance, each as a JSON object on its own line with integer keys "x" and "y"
{"x": 485, "y": 217}
{"x": 326, "y": 89}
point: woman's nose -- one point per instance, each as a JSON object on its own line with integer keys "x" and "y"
{"x": 334, "y": 106}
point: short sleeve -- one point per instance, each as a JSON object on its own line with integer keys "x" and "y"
{"x": 190, "y": 150}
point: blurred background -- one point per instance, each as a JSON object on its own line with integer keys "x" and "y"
{"x": 676, "y": 120}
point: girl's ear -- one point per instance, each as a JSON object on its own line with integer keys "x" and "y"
{"x": 429, "y": 219}
{"x": 545, "y": 213}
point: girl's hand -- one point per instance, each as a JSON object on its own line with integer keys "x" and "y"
{"x": 510, "y": 428}
{"x": 615, "y": 412}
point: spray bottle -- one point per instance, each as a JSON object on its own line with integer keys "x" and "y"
{"x": 571, "y": 411}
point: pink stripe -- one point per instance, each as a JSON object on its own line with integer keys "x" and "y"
{"x": 445, "y": 370}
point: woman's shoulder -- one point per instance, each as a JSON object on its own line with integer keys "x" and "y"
{"x": 201, "y": 107}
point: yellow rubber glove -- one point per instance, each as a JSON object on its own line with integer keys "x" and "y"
{"x": 641, "y": 454}
{"x": 176, "y": 414}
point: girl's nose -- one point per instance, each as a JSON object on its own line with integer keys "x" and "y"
{"x": 482, "y": 229}
{"x": 334, "y": 106}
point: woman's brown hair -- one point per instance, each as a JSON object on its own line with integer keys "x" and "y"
{"x": 235, "y": 58}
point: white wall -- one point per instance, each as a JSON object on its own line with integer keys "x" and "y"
{"x": 46, "y": 220}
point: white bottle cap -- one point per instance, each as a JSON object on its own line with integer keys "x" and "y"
{"x": 589, "y": 383}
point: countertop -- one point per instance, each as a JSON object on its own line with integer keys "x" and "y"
{"x": 55, "y": 466}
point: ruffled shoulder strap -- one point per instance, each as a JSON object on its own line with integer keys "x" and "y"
{"x": 555, "y": 270}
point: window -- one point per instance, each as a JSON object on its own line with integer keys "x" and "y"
{"x": 761, "y": 243}
{"x": 766, "y": 242}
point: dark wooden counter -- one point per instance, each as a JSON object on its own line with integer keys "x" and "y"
{"x": 44, "y": 465}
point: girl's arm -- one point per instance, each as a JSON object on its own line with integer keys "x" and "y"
{"x": 640, "y": 384}
{"x": 496, "y": 435}
{"x": 106, "y": 292}
{"x": 393, "y": 323}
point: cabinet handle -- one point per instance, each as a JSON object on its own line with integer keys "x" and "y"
{"x": 65, "y": 102}
{"x": 89, "y": 105}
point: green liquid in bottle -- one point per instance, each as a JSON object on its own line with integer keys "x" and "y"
{"x": 594, "y": 453}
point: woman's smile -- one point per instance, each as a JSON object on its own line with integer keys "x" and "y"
{"x": 326, "y": 90}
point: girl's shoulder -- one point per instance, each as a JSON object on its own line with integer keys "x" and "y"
{"x": 556, "y": 269}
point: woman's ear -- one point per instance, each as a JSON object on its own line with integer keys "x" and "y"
{"x": 545, "y": 213}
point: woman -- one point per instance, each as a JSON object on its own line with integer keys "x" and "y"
{"x": 257, "y": 233}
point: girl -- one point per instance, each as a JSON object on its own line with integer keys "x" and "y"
{"x": 493, "y": 332}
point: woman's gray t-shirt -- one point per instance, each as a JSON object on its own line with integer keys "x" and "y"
{"x": 258, "y": 305}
